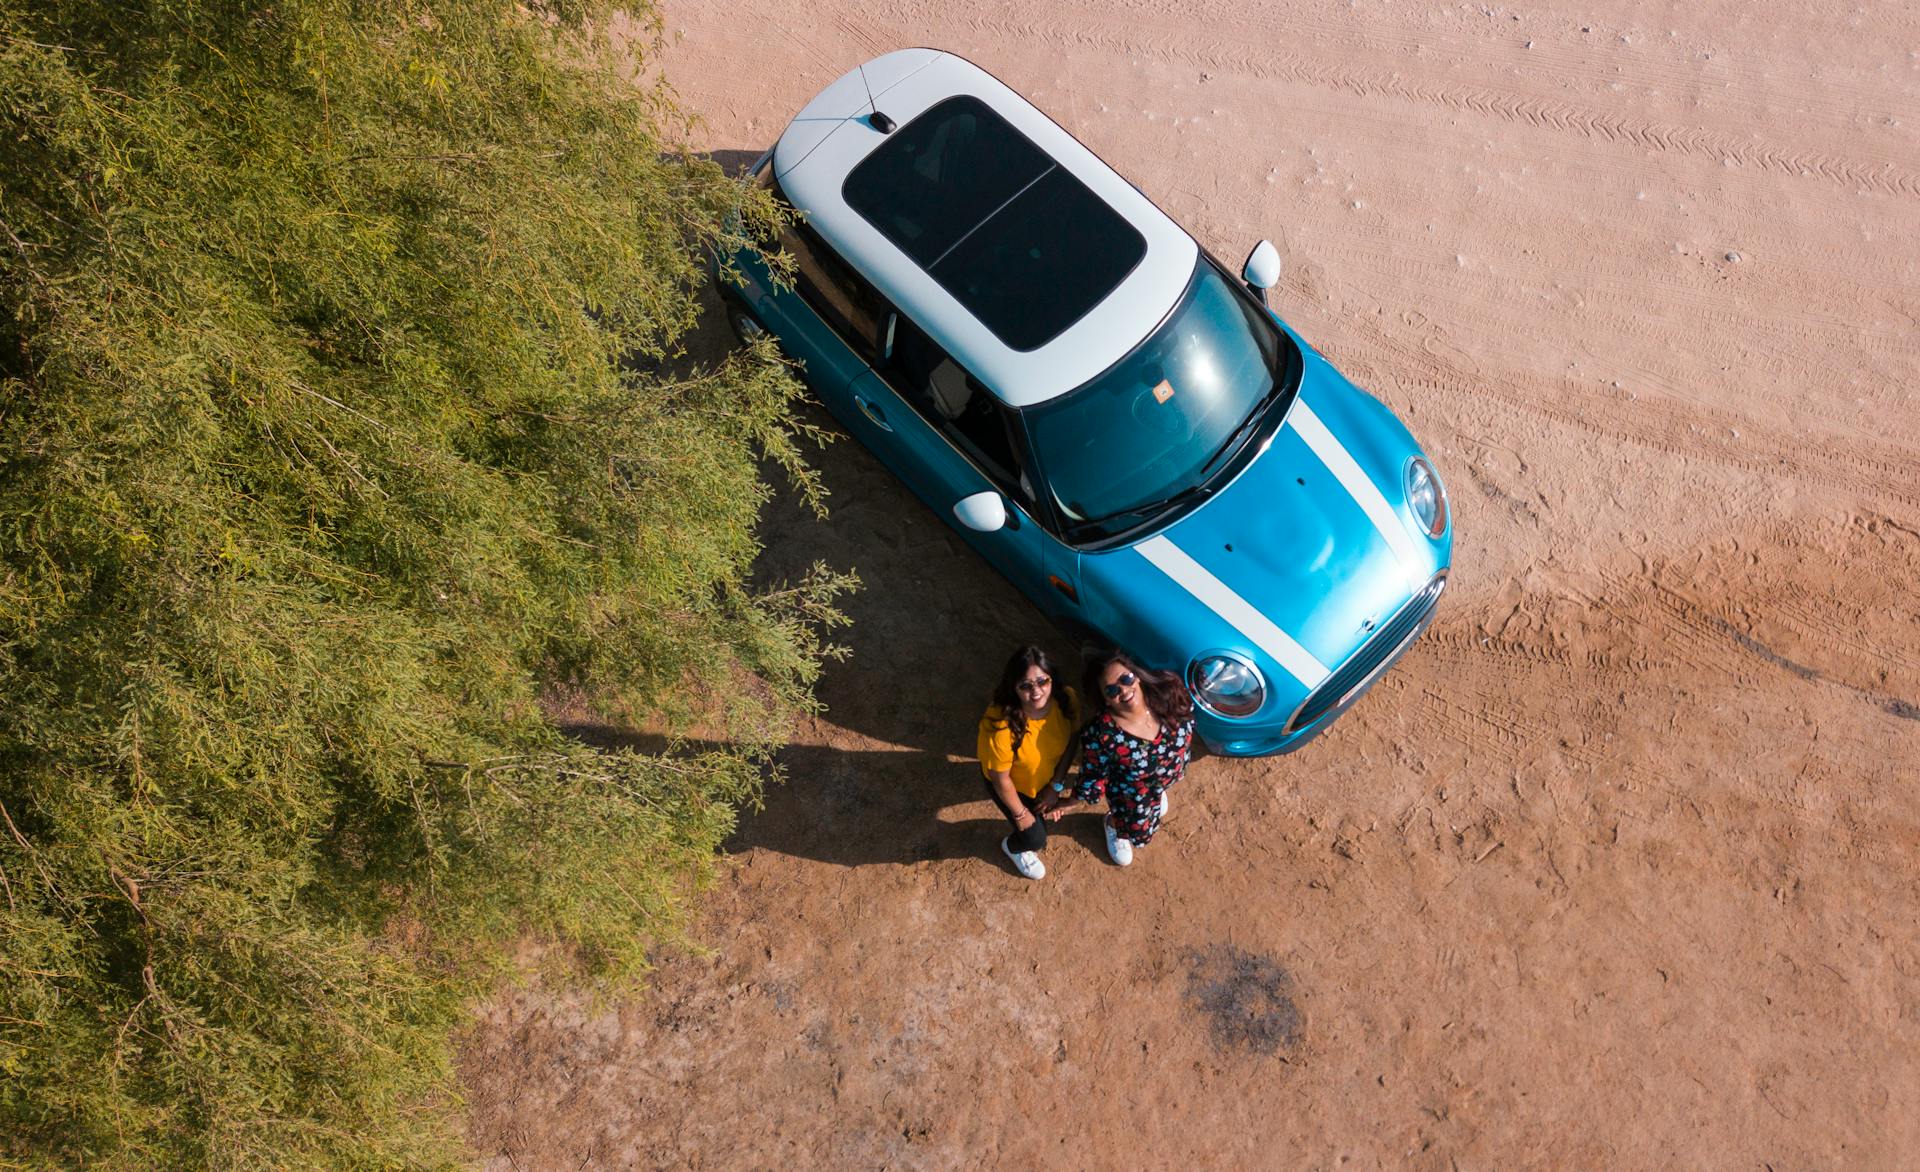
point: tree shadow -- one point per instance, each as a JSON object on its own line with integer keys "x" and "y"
{"x": 733, "y": 162}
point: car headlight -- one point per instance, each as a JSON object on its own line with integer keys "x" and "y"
{"x": 1226, "y": 685}
{"x": 1426, "y": 496}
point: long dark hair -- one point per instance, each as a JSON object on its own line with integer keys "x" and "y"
{"x": 1166, "y": 696}
{"x": 1007, "y": 693}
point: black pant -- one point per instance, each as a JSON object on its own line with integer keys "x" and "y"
{"x": 1033, "y": 838}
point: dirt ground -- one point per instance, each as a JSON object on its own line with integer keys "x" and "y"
{"x": 1619, "y": 868}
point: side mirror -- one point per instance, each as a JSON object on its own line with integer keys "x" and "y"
{"x": 983, "y": 512}
{"x": 1263, "y": 269}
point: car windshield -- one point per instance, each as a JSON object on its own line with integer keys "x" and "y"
{"x": 1156, "y": 425}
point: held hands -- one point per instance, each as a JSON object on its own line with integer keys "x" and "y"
{"x": 1053, "y": 800}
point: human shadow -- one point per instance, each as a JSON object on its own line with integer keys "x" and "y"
{"x": 857, "y": 808}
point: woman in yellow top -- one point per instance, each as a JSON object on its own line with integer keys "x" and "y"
{"x": 1022, "y": 746}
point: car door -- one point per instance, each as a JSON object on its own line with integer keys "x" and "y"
{"x": 950, "y": 438}
{"x": 830, "y": 321}
{"x": 934, "y": 426}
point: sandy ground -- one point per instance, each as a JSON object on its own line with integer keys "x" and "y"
{"x": 1620, "y": 868}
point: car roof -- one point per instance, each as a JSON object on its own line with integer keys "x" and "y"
{"x": 1100, "y": 305}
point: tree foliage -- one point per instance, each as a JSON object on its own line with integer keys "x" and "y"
{"x": 341, "y": 421}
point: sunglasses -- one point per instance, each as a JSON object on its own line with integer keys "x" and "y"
{"x": 1032, "y": 686}
{"x": 1126, "y": 680}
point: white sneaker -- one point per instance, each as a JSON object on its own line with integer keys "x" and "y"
{"x": 1026, "y": 862}
{"x": 1119, "y": 849}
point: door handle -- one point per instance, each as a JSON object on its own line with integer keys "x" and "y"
{"x": 873, "y": 413}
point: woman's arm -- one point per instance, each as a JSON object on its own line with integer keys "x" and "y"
{"x": 1052, "y": 797}
{"x": 994, "y": 745}
{"x": 1095, "y": 760}
{"x": 1002, "y": 782}
{"x": 1050, "y": 800}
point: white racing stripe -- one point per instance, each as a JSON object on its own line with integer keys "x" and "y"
{"x": 1220, "y": 598}
{"x": 1360, "y": 486}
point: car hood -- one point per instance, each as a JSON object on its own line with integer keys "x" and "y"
{"x": 1298, "y": 560}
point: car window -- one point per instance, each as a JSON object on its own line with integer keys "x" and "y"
{"x": 958, "y": 405}
{"x": 831, "y": 287}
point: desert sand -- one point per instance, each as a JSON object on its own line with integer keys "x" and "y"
{"x": 1620, "y": 868}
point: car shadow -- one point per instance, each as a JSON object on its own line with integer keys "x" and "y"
{"x": 932, "y": 623}
{"x": 929, "y": 629}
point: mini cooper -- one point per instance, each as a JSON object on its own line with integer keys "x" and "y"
{"x": 1109, "y": 415}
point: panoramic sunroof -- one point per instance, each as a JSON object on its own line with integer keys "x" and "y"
{"x": 1018, "y": 240}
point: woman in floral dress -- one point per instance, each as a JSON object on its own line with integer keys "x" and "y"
{"x": 1134, "y": 750}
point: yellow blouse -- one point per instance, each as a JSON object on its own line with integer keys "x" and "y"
{"x": 1040, "y": 750}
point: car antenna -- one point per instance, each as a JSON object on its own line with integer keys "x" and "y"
{"x": 877, "y": 120}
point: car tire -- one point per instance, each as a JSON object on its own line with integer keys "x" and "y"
{"x": 746, "y": 327}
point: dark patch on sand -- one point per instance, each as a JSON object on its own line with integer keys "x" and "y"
{"x": 1246, "y": 998}
{"x": 1891, "y": 705}
{"x": 1765, "y": 652}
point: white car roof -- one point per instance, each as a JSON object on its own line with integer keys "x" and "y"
{"x": 831, "y": 136}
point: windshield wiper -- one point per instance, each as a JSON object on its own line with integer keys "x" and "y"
{"x": 1191, "y": 492}
{"x": 1247, "y": 425}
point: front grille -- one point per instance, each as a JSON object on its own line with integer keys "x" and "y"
{"x": 1386, "y": 645}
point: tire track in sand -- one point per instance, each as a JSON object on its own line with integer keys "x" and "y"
{"x": 1557, "y": 116}
{"x": 1434, "y": 368}
{"x": 1605, "y": 668}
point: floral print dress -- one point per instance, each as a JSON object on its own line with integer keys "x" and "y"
{"x": 1133, "y": 773}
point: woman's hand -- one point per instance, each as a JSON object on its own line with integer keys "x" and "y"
{"x": 1053, "y": 798}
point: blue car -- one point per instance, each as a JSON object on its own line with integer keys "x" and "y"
{"x": 1104, "y": 411}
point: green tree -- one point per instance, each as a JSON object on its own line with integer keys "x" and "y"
{"x": 343, "y": 419}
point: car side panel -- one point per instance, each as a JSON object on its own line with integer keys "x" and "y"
{"x": 895, "y": 433}
{"x": 942, "y": 477}
{"x": 826, "y": 362}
